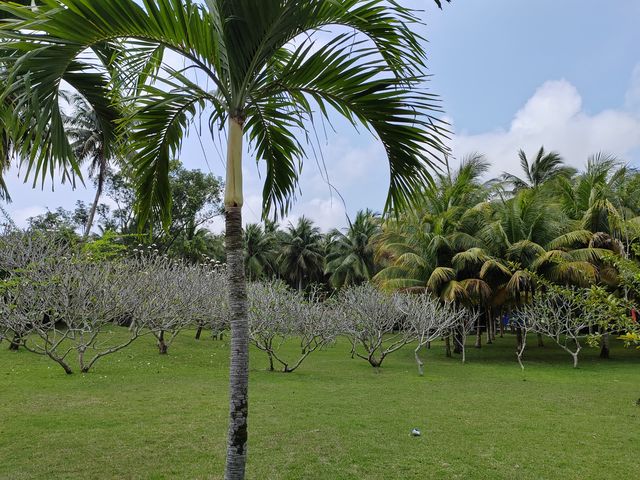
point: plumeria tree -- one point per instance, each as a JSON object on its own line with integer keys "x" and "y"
{"x": 373, "y": 322}
{"x": 278, "y": 314}
{"x": 65, "y": 305}
{"x": 561, "y": 315}
{"x": 427, "y": 320}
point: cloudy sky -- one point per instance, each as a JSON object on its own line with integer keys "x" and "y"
{"x": 511, "y": 74}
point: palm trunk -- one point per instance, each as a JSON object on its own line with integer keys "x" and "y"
{"x": 457, "y": 340}
{"x": 494, "y": 326}
{"x": 479, "y": 332}
{"x": 94, "y": 207}
{"x": 239, "y": 367}
{"x": 447, "y": 345}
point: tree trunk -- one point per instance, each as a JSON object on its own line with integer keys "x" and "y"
{"x": 540, "y": 340}
{"x": 447, "y": 345}
{"x": 163, "y": 348}
{"x": 519, "y": 338}
{"x": 14, "y": 345}
{"x": 94, "y": 206}
{"x": 198, "y": 333}
{"x": 375, "y": 363}
{"x": 239, "y": 366}
{"x": 457, "y": 341}
{"x": 494, "y": 327}
{"x": 271, "y": 367}
{"x": 62, "y": 363}
{"x": 489, "y": 317}
{"x": 604, "y": 345}
{"x": 479, "y": 333}
{"x": 419, "y": 361}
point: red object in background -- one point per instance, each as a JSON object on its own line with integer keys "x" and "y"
{"x": 634, "y": 318}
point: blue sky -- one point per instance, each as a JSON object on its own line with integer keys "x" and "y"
{"x": 511, "y": 74}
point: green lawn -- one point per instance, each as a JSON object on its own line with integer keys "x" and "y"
{"x": 140, "y": 415}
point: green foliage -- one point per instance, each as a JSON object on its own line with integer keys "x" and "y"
{"x": 350, "y": 259}
{"x": 107, "y": 247}
{"x": 372, "y": 75}
{"x": 630, "y": 339}
{"x": 301, "y": 258}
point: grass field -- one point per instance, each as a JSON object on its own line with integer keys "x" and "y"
{"x": 142, "y": 416}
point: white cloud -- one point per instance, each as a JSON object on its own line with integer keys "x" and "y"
{"x": 327, "y": 213}
{"x": 554, "y": 117}
{"x": 21, "y": 215}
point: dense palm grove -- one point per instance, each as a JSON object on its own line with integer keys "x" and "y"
{"x": 485, "y": 244}
{"x": 476, "y": 241}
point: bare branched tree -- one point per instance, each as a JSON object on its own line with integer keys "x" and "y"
{"x": 427, "y": 319}
{"x": 25, "y": 257}
{"x": 56, "y": 302}
{"x": 523, "y": 325}
{"x": 467, "y": 321}
{"x": 278, "y": 314}
{"x": 160, "y": 298}
{"x": 560, "y": 316}
{"x": 210, "y": 305}
{"x": 373, "y": 323}
{"x": 87, "y": 297}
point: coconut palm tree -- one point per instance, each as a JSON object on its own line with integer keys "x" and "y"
{"x": 595, "y": 198}
{"x": 351, "y": 257}
{"x": 544, "y": 167}
{"x": 261, "y": 76}
{"x": 531, "y": 231}
{"x": 301, "y": 259}
{"x": 260, "y": 250}
{"x": 87, "y": 141}
{"x": 445, "y": 223}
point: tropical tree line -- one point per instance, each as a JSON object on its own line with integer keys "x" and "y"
{"x": 62, "y": 300}
{"x": 489, "y": 245}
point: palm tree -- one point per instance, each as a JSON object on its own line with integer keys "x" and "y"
{"x": 260, "y": 74}
{"x": 351, "y": 256}
{"x": 301, "y": 260}
{"x": 594, "y": 199}
{"x": 260, "y": 251}
{"x": 543, "y": 168}
{"x": 10, "y": 122}
{"x": 445, "y": 223}
{"x": 7, "y": 111}
{"x": 531, "y": 231}
{"x": 87, "y": 141}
